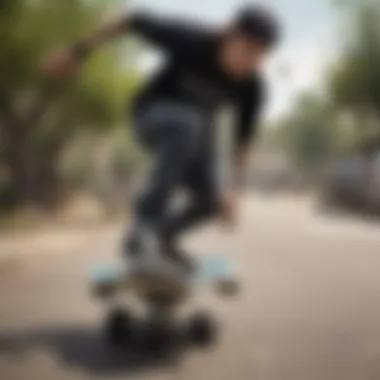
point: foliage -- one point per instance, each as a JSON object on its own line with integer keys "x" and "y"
{"x": 307, "y": 134}
{"x": 355, "y": 81}
{"x": 317, "y": 128}
{"x": 38, "y": 117}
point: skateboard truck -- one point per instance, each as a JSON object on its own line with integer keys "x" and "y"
{"x": 161, "y": 296}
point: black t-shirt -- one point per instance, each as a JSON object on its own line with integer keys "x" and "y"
{"x": 192, "y": 73}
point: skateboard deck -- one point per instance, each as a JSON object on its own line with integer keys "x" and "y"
{"x": 107, "y": 279}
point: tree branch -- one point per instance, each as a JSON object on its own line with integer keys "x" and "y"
{"x": 38, "y": 109}
{"x": 9, "y": 122}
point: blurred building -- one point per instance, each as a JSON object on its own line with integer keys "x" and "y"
{"x": 272, "y": 171}
{"x": 353, "y": 181}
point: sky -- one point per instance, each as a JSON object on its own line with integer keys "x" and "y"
{"x": 297, "y": 66}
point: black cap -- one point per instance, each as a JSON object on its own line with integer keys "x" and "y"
{"x": 259, "y": 23}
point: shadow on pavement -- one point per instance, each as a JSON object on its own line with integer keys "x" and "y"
{"x": 86, "y": 349}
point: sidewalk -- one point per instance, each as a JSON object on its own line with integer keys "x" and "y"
{"x": 55, "y": 240}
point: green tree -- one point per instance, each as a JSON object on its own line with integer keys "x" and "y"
{"x": 316, "y": 128}
{"x": 38, "y": 117}
{"x": 307, "y": 134}
{"x": 354, "y": 82}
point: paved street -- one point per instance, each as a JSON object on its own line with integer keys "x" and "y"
{"x": 309, "y": 309}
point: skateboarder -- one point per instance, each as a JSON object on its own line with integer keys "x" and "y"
{"x": 174, "y": 117}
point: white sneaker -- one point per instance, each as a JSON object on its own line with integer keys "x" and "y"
{"x": 152, "y": 261}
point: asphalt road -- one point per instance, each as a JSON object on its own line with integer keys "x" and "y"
{"x": 309, "y": 308}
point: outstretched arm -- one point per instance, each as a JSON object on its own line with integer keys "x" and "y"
{"x": 249, "y": 111}
{"x": 170, "y": 35}
{"x": 66, "y": 61}
{"x": 248, "y": 108}
{"x": 104, "y": 34}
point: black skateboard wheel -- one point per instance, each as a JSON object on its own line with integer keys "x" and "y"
{"x": 119, "y": 326}
{"x": 158, "y": 337}
{"x": 202, "y": 329}
{"x": 228, "y": 287}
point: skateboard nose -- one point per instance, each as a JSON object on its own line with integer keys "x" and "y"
{"x": 104, "y": 274}
{"x": 217, "y": 266}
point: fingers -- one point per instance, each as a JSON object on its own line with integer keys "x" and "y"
{"x": 60, "y": 64}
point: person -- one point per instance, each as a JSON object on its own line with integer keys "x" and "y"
{"x": 174, "y": 116}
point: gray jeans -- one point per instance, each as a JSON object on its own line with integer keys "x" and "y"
{"x": 179, "y": 136}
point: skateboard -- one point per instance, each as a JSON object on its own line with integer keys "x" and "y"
{"x": 162, "y": 298}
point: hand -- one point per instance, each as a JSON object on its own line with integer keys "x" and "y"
{"x": 229, "y": 208}
{"x": 60, "y": 64}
